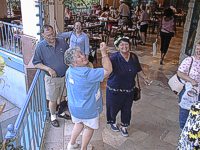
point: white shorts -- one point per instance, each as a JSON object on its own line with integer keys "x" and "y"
{"x": 92, "y": 123}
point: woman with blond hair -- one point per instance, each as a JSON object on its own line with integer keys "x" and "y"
{"x": 189, "y": 71}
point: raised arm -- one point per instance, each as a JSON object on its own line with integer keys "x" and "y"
{"x": 106, "y": 63}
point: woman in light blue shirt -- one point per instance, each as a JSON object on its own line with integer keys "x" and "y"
{"x": 77, "y": 38}
{"x": 84, "y": 93}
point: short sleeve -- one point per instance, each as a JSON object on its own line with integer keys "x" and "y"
{"x": 96, "y": 75}
{"x": 185, "y": 65}
{"x": 139, "y": 68}
{"x": 37, "y": 56}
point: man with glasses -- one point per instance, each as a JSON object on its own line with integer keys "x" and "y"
{"x": 49, "y": 56}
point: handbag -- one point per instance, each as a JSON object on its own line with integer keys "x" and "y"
{"x": 137, "y": 90}
{"x": 175, "y": 83}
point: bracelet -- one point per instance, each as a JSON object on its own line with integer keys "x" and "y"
{"x": 104, "y": 56}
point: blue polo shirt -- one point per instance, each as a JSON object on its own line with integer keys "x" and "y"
{"x": 83, "y": 91}
{"x": 81, "y": 41}
{"x": 50, "y": 56}
{"x": 124, "y": 72}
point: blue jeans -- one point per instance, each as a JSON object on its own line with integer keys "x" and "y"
{"x": 183, "y": 115}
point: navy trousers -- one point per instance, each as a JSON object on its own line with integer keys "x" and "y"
{"x": 116, "y": 102}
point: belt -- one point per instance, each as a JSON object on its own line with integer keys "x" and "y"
{"x": 56, "y": 76}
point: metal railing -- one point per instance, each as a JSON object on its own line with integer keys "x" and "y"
{"x": 29, "y": 126}
{"x": 10, "y": 38}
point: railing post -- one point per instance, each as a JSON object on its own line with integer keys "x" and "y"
{"x": 11, "y": 132}
{"x": 9, "y": 138}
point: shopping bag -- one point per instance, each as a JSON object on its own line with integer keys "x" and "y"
{"x": 155, "y": 47}
{"x": 190, "y": 96}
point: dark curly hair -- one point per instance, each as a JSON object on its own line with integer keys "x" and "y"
{"x": 168, "y": 12}
{"x": 120, "y": 38}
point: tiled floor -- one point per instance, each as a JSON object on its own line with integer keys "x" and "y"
{"x": 154, "y": 124}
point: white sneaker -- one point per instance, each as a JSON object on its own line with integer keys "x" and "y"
{"x": 72, "y": 147}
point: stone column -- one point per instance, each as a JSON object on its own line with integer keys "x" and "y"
{"x": 51, "y": 12}
{"x": 59, "y": 15}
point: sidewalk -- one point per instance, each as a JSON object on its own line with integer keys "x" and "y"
{"x": 154, "y": 124}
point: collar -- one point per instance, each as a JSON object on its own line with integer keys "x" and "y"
{"x": 47, "y": 44}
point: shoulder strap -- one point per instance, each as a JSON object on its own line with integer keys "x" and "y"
{"x": 137, "y": 76}
{"x": 190, "y": 65}
{"x": 138, "y": 82}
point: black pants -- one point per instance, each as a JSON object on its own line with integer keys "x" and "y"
{"x": 165, "y": 41}
{"x": 116, "y": 102}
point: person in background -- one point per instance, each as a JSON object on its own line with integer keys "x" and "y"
{"x": 49, "y": 56}
{"x": 107, "y": 15}
{"x": 68, "y": 13}
{"x": 124, "y": 13}
{"x": 137, "y": 11}
{"x": 106, "y": 8}
{"x": 193, "y": 78}
{"x": 78, "y": 38}
{"x": 98, "y": 11}
{"x": 84, "y": 93}
{"x": 143, "y": 21}
{"x": 167, "y": 30}
{"x": 174, "y": 9}
{"x": 113, "y": 12}
{"x": 120, "y": 85}
{"x": 124, "y": 10}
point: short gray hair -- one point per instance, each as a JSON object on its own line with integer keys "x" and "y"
{"x": 69, "y": 55}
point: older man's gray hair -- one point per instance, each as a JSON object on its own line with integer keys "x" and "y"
{"x": 69, "y": 55}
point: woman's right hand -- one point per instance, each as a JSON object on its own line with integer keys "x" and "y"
{"x": 103, "y": 48}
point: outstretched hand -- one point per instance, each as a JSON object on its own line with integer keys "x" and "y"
{"x": 103, "y": 47}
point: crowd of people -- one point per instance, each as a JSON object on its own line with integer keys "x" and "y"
{"x": 68, "y": 73}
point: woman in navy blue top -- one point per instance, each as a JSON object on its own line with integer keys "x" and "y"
{"x": 120, "y": 85}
